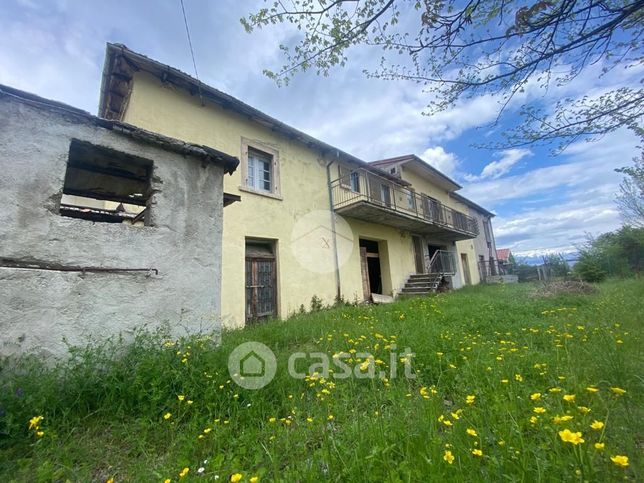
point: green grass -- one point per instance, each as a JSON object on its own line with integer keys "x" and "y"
{"x": 103, "y": 410}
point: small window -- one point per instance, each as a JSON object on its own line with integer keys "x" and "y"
{"x": 259, "y": 170}
{"x": 355, "y": 181}
{"x": 385, "y": 194}
{"x": 104, "y": 185}
{"x": 411, "y": 199}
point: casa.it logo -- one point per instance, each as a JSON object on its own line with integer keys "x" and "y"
{"x": 252, "y": 365}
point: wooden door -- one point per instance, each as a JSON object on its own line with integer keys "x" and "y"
{"x": 419, "y": 258}
{"x": 364, "y": 266}
{"x": 466, "y": 269}
{"x": 261, "y": 299}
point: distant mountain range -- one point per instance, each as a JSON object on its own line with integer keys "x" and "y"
{"x": 537, "y": 259}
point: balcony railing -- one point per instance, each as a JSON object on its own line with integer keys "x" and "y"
{"x": 361, "y": 186}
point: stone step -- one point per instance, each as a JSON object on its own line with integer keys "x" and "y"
{"x": 404, "y": 293}
{"x": 424, "y": 280}
{"x": 422, "y": 283}
{"x": 407, "y": 289}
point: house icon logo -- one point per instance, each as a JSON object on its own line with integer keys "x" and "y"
{"x": 252, "y": 365}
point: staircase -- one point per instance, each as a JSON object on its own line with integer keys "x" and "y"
{"x": 422, "y": 284}
{"x": 441, "y": 264}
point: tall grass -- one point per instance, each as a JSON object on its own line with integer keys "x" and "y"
{"x": 104, "y": 411}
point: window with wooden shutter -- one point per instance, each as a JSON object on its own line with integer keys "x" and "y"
{"x": 344, "y": 174}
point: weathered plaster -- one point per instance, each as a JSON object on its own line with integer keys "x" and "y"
{"x": 40, "y": 307}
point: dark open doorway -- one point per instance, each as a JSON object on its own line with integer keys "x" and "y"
{"x": 371, "y": 261}
{"x": 431, "y": 249}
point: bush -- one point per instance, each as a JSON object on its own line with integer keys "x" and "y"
{"x": 589, "y": 269}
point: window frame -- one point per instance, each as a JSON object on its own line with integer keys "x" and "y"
{"x": 247, "y": 146}
{"x": 103, "y": 162}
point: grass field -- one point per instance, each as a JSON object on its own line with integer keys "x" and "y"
{"x": 506, "y": 387}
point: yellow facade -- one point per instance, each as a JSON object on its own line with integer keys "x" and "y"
{"x": 304, "y": 175}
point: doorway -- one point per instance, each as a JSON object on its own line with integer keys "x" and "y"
{"x": 432, "y": 249}
{"x": 466, "y": 269}
{"x": 419, "y": 259}
{"x": 371, "y": 270}
{"x": 261, "y": 286}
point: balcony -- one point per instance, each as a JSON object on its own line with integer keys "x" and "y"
{"x": 366, "y": 196}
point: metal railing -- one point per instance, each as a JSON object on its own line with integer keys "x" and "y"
{"x": 361, "y": 185}
{"x": 442, "y": 261}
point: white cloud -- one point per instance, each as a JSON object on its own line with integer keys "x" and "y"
{"x": 575, "y": 197}
{"x": 497, "y": 169}
{"x": 440, "y": 159}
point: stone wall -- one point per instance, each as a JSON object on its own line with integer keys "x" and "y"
{"x": 167, "y": 272}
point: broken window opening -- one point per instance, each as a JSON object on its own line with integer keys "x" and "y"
{"x": 106, "y": 186}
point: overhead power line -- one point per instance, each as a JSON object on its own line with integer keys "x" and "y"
{"x": 192, "y": 52}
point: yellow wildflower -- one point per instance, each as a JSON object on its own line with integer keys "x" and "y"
{"x": 167, "y": 416}
{"x": 189, "y": 402}
{"x": 569, "y": 437}
{"x": 561, "y": 419}
{"x": 569, "y": 397}
{"x": 592, "y": 389}
{"x": 167, "y": 480}
{"x": 447, "y": 422}
{"x": 330, "y": 417}
{"x": 254, "y": 479}
{"x": 539, "y": 410}
{"x": 184, "y": 472}
{"x": 35, "y": 422}
{"x": 584, "y": 409}
{"x": 533, "y": 419}
{"x": 554, "y": 389}
{"x": 471, "y": 431}
{"x": 599, "y": 446}
{"x": 449, "y": 457}
{"x": 536, "y": 396}
{"x": 621, "y": 461}
{"x": 504, "y": 381}
{"x": 477, "y": 452}
{"x": 309, "y": 420}
{"x": 40, "y": 434}
{"x": 234, "y": 478}
{"x": 181, "y": 397}
{"x": 470, "y": 399}
{"x": 597, "y": 425}
{"x": 272, "y": 420}
{"x": 619, "y": 391}
{"x": 518, "y": 377}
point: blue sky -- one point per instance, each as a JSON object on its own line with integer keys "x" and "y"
{"x": 543, "y": 203}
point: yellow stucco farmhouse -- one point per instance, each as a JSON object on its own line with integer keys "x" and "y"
{"x": 313, "y": 221}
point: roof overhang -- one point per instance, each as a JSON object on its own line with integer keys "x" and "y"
{"x": 422, "y": 168}
{"x": 471, "y": 204}
{"x": 121, "y": 64}
{"x": 229, "y": 163}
